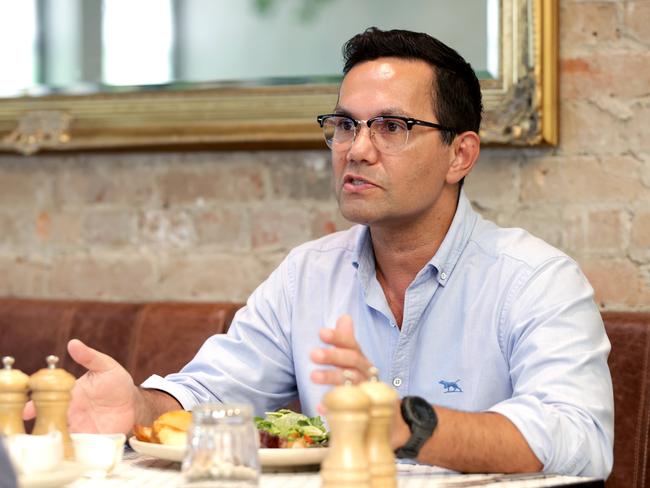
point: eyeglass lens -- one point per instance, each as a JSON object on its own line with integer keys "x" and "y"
{"x": 388, "y": 134}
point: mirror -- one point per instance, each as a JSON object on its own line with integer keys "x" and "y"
{"x": 93, "y": 74}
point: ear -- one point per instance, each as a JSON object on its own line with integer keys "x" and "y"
{"x": 466, "y": 148}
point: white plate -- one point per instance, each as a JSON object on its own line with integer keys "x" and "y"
{"x": 268, "y": 457}
{"x": 63, "y": 474}
{"x": 161, "y": 451}
{"x": 292, "y": 457}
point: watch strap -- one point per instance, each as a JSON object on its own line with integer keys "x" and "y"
{"x": 420, "y": 432}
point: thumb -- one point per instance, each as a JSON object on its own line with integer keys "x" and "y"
{"x": 90, "y": 358}
{"x": 29, "y": 411}
{"x": 344, "y": 324}
{"x": 321, "y": 409}
{"x": 345, "y": 331}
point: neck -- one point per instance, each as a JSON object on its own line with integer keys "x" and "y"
{"x": 404, "y": 248}
{"x": 401, "y": 251}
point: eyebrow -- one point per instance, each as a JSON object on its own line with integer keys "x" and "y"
{"x": 341, "y": 111}
{"x": 387, "y": 112}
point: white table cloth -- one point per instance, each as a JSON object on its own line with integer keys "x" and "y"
{"x": 143, "y": 471}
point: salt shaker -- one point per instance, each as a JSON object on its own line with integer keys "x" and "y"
{"x": 346, "y": 464}
{"x": 51, "y": 389}
{"x": 222, "y": 447}
{"x": 13, "y": 396}
{"x": 383, "y": 399}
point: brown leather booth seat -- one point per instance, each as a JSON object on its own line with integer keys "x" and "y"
{"x": 160, "y": 338}
{"x": 629, "y": 363}
{"x": 145, "y": 338}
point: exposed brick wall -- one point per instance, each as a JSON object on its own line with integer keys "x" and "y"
{"x": 212, "y": 225}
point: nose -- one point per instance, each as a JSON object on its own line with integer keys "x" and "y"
{"x": 362, "y": 148}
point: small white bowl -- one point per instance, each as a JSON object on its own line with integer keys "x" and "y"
{"x": 98, "y": 453}
{"x": 33, "y": 454}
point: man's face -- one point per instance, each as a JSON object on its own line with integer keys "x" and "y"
{"x": 402, "y": 187}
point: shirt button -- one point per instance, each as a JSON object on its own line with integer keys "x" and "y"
{"x": 397, "y": 382}
{"x": 443, "y": 276}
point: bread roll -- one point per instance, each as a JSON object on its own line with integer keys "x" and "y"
{"x": 177, "y": 419}
{"x": 169, "y": 429}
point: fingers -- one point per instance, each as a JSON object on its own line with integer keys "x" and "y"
{"x": 342, "y": 358}
{"x": 345, "y": 355}
{"x": 29, "y": 411}
{"x": 90, "y": 358}
{"x": 337, "y": 376}
{"x": 342, "y": 335}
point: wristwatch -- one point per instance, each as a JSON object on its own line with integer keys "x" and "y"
{"x": 421, "y": 418}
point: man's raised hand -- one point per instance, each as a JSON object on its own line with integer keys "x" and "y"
{"x": 103, "y": 399}
{"x": 345, "y": 355}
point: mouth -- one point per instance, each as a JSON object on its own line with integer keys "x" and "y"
{"x": 353, "y": 184}
{"x": 354, "y": 180}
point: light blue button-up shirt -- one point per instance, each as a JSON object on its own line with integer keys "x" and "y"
{"x": 496, "y": 321}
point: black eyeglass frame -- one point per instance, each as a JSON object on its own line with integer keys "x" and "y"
{"x": 410, "y": 122}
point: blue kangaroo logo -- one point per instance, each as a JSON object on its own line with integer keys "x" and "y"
{"x": 451, "y": 386}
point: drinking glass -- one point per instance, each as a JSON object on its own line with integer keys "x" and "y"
{"x": 222, "y": 447}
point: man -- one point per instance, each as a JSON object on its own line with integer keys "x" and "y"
{"x": 494, "y": 328}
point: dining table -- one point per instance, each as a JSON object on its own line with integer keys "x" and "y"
{"x": 137, "y": 470}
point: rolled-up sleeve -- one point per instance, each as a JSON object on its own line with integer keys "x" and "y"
{"x": 552, "y": 335}
{"x": 251, "y": 364}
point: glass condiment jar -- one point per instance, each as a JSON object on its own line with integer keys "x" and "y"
{"x": 222, "y": 447}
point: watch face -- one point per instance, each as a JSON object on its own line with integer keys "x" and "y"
{"x": 421, "y": 408}
{"x": 419, "y": 411}
{"x": 422, "y": 420}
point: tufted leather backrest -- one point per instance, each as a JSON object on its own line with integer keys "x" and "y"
{"x": 145, "y": 338}
{"x": 162, "y": 337}
{"x": 629, "y": 363}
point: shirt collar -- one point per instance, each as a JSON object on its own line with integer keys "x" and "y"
{"x": 452, "y": 246}
{"x": 445, "y": 259}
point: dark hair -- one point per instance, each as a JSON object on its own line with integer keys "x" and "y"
{"x": 456, "y": 90}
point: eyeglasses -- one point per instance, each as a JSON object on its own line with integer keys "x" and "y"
{"x": 389, "y": 134}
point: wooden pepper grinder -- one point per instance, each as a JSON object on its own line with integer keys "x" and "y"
{"x": 51, "y": 388}
{"x": 13, "y": 396}
{"x": 383, "y": 472}
{"x": 346, "y": 465}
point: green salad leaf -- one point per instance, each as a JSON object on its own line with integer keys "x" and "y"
{"x": 292, "y": 426}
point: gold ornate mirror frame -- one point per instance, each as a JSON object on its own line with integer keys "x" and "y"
{"x": 520, "y": 106}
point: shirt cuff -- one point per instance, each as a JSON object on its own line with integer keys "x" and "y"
{"x": 543, "y": 431}
{"x": 180, "y": 393}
